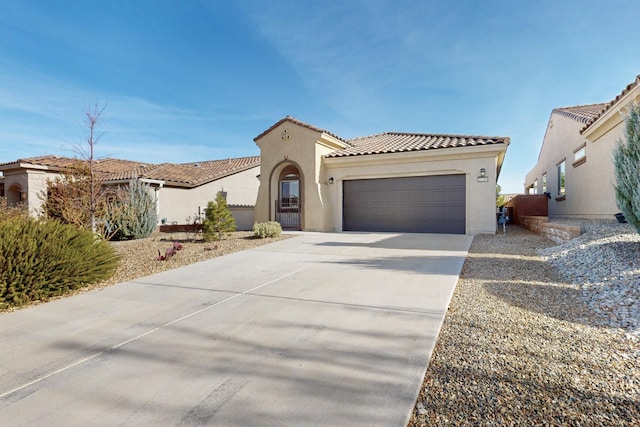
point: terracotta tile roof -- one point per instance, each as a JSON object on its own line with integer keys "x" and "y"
{"x": 189, "y": 174}
{"x": 580, "y": 113}
{"x": 297, "y": 122}
{"x": 57, "y": 162}
{"x": 610, "y": 104}
{"x": 395, "y": 142}
{"x": 198, "y": 173}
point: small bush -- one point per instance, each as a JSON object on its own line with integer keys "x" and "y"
{"x": 267, "y": 229}
{"x": 44, "y": 259}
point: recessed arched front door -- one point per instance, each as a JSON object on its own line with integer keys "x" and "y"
{"x": 289, "y": 204}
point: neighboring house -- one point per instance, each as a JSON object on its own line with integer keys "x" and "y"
{"x": 575, "y": 165}
{"x": 182, "y": 190}
{"x": 311, "y": 179}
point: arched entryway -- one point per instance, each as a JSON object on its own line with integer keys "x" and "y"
{"x": 15, "y": 195}
{"x": 288, "y": 207}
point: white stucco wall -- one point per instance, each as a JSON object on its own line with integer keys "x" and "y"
{"x": 176, "y": 204}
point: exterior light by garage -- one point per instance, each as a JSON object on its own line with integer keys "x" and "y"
{"x": 483, "y": 176}
{"x": 330, "y": 181}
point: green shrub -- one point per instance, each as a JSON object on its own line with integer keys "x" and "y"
{"x": 267, "y": 229}
{"x": 43, "y": 259}
{"x": 218, "y": 219}
{"x": 626, "y": 159}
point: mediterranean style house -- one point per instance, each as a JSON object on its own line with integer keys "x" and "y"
{"x": 575, "y": 165}
{"x": 182, "y": 191}
{"x": 309, "y": 179}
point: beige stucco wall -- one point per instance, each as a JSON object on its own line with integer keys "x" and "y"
{"x": 589, "y": 185}
{"x": 33, "y": 183}
{"x": 176, "y": 204}
{"x": 305, "y": 147}
{"x": 302, "y": 147}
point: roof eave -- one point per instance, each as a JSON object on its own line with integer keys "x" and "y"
{"x": 471, "y": 151}
{"x": 605, "y": 114}
{"x": 620, "y": 107}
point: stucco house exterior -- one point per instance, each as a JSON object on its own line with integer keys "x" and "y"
{"x": 182, "y": 191}
{"x": 311, "y": 179}
{"x": 575, "y": 164}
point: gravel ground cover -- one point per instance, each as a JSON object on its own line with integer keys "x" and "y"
{"x": 140, "y": 257}
{"x": 604, "y": 263}
{"x": 520, "y": 345}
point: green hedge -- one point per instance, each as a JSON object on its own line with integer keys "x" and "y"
{"x": 43, "y": 259}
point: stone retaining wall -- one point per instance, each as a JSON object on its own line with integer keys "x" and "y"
{"x": 557, "y": 232}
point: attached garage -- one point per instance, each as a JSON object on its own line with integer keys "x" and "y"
{"x": 390, "y": 181}
{"x": 420, "y": 204}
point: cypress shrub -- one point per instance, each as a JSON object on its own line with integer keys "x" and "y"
{"x": 626, "y": 159}
{"x": 218, "y": 219}
{"x": 44, "y": 259}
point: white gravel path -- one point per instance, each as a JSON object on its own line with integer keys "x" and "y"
{"x": 520, "y": 345}
{"x": 604, "y": 262}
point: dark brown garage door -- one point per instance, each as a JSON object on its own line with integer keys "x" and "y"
{"x": 423, "y": 204}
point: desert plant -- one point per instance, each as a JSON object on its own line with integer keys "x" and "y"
{"x": 218, "y": 219}
{"x": 132, "y": 212}
{"x": 626, "y": 159}
{"x": 11, "y": 211}
{"x": 67, "y": 196}
{"x": 40, "y": 259}
{"x": 263, "y": 230}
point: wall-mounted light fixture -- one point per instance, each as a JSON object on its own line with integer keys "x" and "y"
{"x": 483, "y": 175}
{"x": 330, "y": 181}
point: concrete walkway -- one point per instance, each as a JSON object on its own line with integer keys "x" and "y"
{"x": 321, "y": 329}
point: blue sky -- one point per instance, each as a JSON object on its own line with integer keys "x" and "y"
{"x": 198, "y": 80}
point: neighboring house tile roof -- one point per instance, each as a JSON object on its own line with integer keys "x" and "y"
{"x": 107, "y": 165}
{"x": 580, "y": 113}
{"x": 187, "y": 174}
{"x": 198, "y": 173}
{"x": 297, "y": 122}
{"x": 395, "y": 142}
{"x": 610, "y": 104}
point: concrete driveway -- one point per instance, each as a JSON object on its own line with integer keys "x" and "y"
{"x": 320, "y": 329}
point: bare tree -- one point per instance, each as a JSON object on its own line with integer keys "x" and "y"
{"x": 78, "y": 197}
{"x": 92, "y": 120}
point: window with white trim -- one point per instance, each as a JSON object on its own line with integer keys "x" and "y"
{"x": 580, "y": 155}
